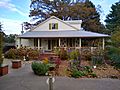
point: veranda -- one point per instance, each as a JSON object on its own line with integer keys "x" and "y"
{"x": 49, "y": 44}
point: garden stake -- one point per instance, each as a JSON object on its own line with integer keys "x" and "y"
{"x": 50, "y": 83}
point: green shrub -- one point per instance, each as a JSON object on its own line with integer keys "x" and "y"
{"x": 114, "y": 55}
{"x": 76, "y": 73}
{"x": 97, "y": 60}
{"x": 93, "y": 75}
{"x": 74, "y": 55}
{"x": 40, "y": 68}
{"x": 88, "y": 69}
{"x": 85, "y": 71}
{"x": 57, "y": 51}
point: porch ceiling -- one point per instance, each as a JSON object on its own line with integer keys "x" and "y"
{"x": 57, "y": 34}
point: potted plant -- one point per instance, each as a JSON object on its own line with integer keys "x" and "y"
{"x": 3, "y": 67}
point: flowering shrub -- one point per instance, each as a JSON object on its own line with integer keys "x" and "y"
{"x": 22, "y": 52}
{"x": 11, "y": 54}
{"x": 33, "y": 54}
{"x": 46, "y": 61}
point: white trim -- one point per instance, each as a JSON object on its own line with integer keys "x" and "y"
{"x": 38, "y": 43}
{"x": 20, "y": 42}
{"x": 59, "y": 42}
{"x": 103, "y": 43}
{"x": 80, "y": 42}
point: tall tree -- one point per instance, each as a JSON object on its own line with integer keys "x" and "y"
{"x": 68, "y": 10}
{"x": 10, "y": 38}
{"x": 113, "y": 18}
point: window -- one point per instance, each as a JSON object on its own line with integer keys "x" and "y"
{"x": 53, "y": 26}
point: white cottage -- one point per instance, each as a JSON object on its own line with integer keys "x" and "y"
{"x": 55, "y": 32}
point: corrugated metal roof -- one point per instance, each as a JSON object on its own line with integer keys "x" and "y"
{"x": 55, "y": 34}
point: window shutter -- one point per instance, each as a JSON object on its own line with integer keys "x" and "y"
{"x": 50, "y": 26}
{"x": 56, "y": 25}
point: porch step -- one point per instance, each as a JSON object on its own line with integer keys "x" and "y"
{"x": 46, "y": 55}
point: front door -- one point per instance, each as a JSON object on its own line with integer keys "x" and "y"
{"x": 49, "y": 44}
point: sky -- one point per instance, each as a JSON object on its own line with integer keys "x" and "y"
{"x": 14, "y": 12}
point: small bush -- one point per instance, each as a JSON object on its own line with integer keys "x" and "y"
{"x": 57, "y": 51}
{"x": 21, "y": 52}
{"x": 85, "y": 71}
{"x": 11, "y": 54}
{"x": 33, "y": 54}
{"x": 114, "y": 55}
{"x": 88, "y": 69}
{"x": 63, "y": 54}
{"x": 93, "y": 75}
{"x": 40, "y": 68}
{"x": 76, "y": 73}
{"x": 74, "y": 55}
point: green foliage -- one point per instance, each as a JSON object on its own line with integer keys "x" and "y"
{"x": 84, "y": 71}
{"x": 10, "y": 38}
{"x": 93, "y": 75}
{"x": 40, "y": 68}
{"x": 57, "y": 51}
{"x": 114, "y": 55}
{"x": 76, "y": 73}
{"x": 74, "y": 55}
{"x": 113, "y": 18}
{"x": 97, "y": 60}
{"x": 115, "y": 38}
{"x": 88, "y": 69}
{"x": 98, "y": 56}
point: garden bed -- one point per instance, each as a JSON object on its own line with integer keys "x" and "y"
{"x": 103, "y": 71}
{"x": 107, "y": 71}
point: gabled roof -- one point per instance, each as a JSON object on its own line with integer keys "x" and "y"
{"x": 53, "y": 17}
{"x": 58, "y": 34}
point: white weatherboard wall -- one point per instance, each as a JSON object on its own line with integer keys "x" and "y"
{"x": 75, "y": 23}
{"x": 25, "y": 42}
{"x": 61, "y": 26}
{"x": 31, "y": 43}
